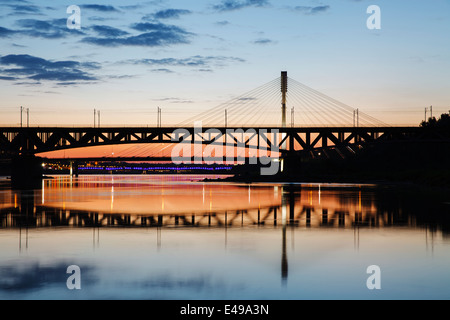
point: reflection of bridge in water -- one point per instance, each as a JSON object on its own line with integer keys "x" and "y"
{"x": 296, "y": 210}
{"x": 290, "y": 212}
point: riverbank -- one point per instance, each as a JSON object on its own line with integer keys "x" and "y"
{"x": 425, "y": 165}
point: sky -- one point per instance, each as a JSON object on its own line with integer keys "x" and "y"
{"x": 129, "y": 58}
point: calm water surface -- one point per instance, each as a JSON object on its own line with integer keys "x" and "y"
{"x": 176, "y": 237}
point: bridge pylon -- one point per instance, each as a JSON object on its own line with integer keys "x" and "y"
{"x": 284, "y": 86}
{"x": 290, "y": 161}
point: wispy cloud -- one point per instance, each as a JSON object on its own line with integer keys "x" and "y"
{"x": 101, "y": 19}
{"x": 22, "y": 9}
{"x": 194, "y": 61}
{"x": 222, "y": 23}
{"x": 231, "y": 5}
{"x": 146, "y": 34}
{"x": 23, "y": 66}
{"x": 132, "y": 7}
{"x": 99, "y": 7}
{"x": 108, "y": 31}
{"x": 7, "y": 78}
{"x": 4, "y": 32}
{"x": 157, "y": 27}
{"x": 263, "y": 41}
{"x": 162, "y": 70}
{"x": 49, "y": 29}
{"x": 173, "y": 100}
{"x": 311, "y": 10}
{"x": 169, "y": 13}
{"x": 153, "y": 35}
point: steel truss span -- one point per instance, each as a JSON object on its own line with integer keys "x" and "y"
{"x": 35, "y": 140}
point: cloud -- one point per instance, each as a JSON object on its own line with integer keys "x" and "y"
{"x": 231, "y": 5}
{"x": 159, "y": 27}
{"x": 162, "y": 70}
{"x": 153, "y": 35}
{"x": 311, "y": 10}
{"x": 23, "y": 66}
{"x": 132, "y": 7}
{"x": 97, "y": 18}
{"x": 222, "y": 23}
{"x": 194, "y": 61}
{"x": 174, "y": 100}
{"x": 263, "y": 41}
{"x": 49, "y": 29}
{"x": 99, "y": 7}
{"x": 170, "y": 13}
{"x": 4, "y": 32}
{"x": 146, "y": 34}
{"x": 108, "y": 31}
{"x": 9, "y": 1}
{"x": 23, "y": 9}
{"x": 149, "y": 39}
{"x": 7, "y": 78}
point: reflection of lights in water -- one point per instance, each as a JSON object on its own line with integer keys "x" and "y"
{"x": 283, "y": 209}
{"x": 112, "y": 198}
{"x": 210, "y": 200}
{"x": 319, "y": 193}
{"x": 43, "y": 197}
{"x": 112, "y": 193}
{"x": 359, "y": 201}
{"x": 15, "y": 201}
{"x": 275, "y": 193}
{"x": 249, "y": 192}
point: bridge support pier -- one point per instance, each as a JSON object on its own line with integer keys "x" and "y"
{"x": 291, "y": 165}
{"x": 26, "y": 172}
{"x": 74, "y": 168}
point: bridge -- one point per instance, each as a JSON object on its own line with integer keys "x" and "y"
{"x": 250, "y": 126}
{"x": 35, "y": 140}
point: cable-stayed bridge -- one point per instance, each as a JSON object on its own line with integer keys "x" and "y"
{"x": 282, "y": 118}
{"x": 284, "y": 102}
{"x": 303, "y": 119}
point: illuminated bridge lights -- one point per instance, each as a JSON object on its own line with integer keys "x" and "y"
{"x": 155, "y": 168}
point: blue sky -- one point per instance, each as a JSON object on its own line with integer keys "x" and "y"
{"x": 128, "y": 58}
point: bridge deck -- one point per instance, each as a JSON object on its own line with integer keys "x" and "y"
{"x": 34, "y": 140}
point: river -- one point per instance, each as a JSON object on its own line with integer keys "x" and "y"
{"x": 177, "y": 237}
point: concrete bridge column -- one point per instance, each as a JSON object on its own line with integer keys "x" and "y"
{"x": 74, "y": 168}
{"x": 291, "y": 164}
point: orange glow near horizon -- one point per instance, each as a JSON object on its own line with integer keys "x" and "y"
{"x": 140, "y": 150}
